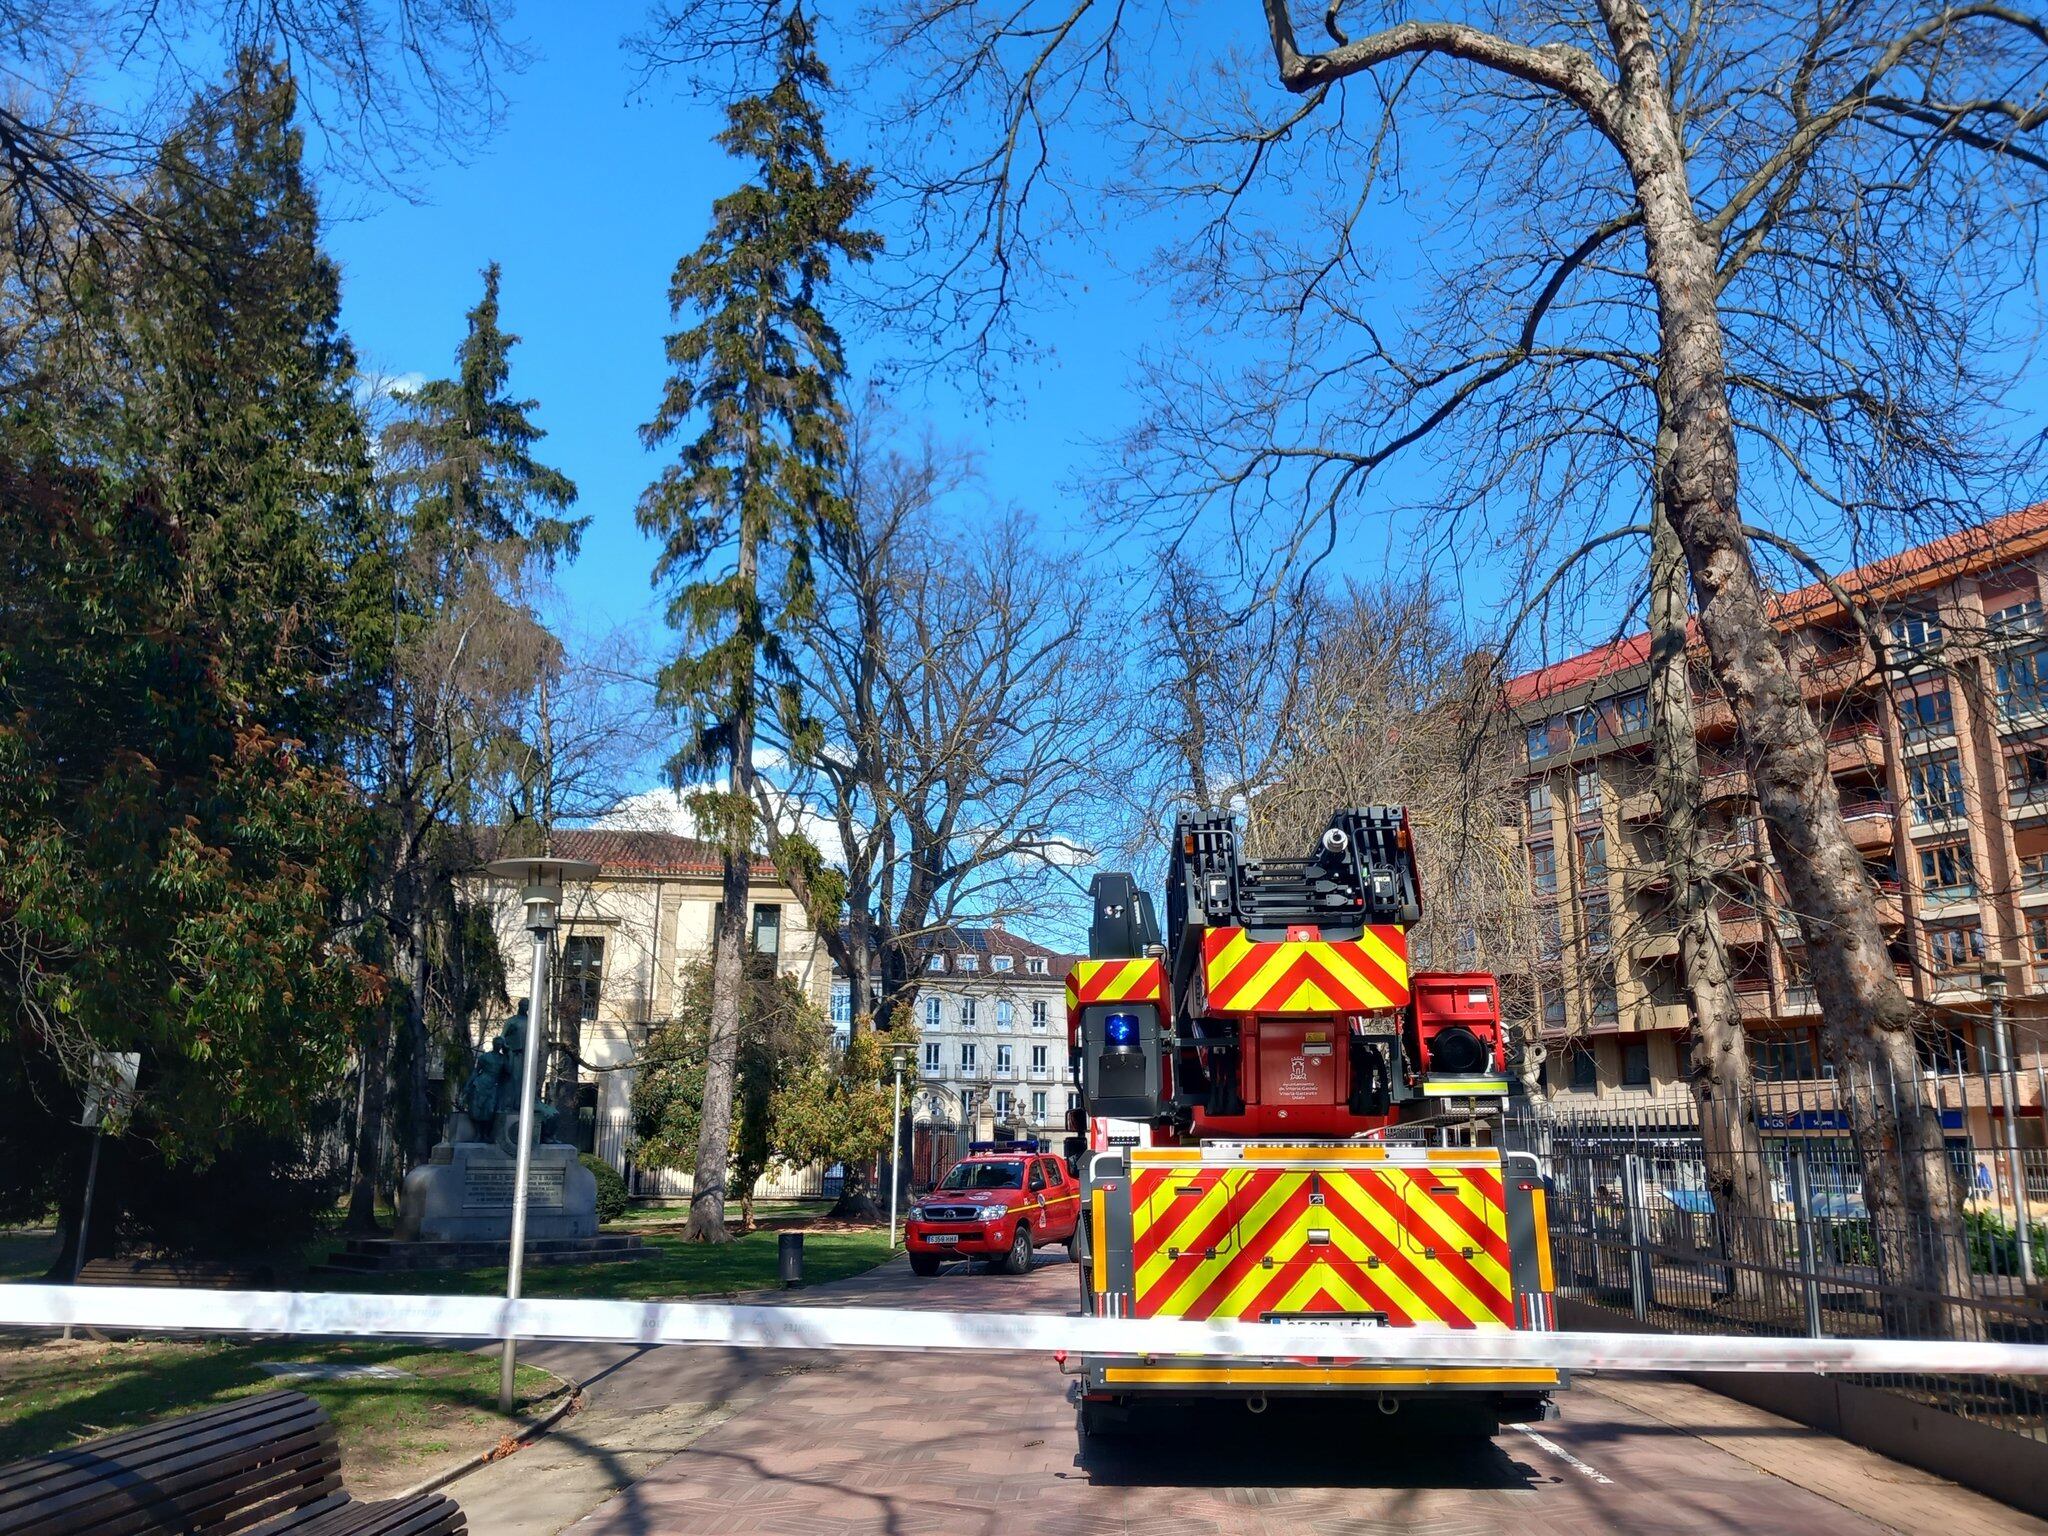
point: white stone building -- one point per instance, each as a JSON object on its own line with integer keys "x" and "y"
{"x": 625, "y": 942}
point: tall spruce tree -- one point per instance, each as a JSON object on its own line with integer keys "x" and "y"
{"x": 466, "y": 506}
{"x": 756, "y": 376}
{"x": 241, "y": 407}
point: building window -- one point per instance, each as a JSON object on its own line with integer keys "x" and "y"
{"x": 1038, "y": 1058}
{"x": 2023, "y": 682}
{"x": 1593, "y": 858}
{"x": 1543, "y": 870}
{"x": 967, "y": 1012}
{"x": 1632, "y": 713}
{"x": 1034, "y": 965}
{"x": 968, "y": 1052}
{"x": 1914, "y": 630}
{"x": 1635, "y": 1064}
{"x": 1073, "y": 1102}
{"x": 1945, "y": 868}
{"x": 2037, "y": 937}
{"x": 2014, "y": 619}
{"x": 936, "y": 963}
{"x": 1004, "y": 1013}
{"x": 1549, "y": 933}
{"x": 1038, "y": 1014}
{"x": 1599, "y": 929}
{"x": 1936, "y": 786}
{"x": 1586, "y": 790}
{"x": 1002, "y": 1103}
{"x": 1539, "y": 741}
{"x": 842, "y": 1002}
{"x": 1002, "y": 1058}
{"x": 931, "y": 1055}
{"x": 1942, "y": 1047}
{"x": 1553, "y": 1008}
{"x": 767, "y": 930}
{"x": 1038, "y": 1106}
{"x": 1782, "y": 1058}
{"x": 1585, "y": 1070}
{"x": 934, "y": 1013}
{"x": 1924, "y": 716}
{"x": 1538, "y": 799}
{"x": 968, "y": 963}
{"x": 1956, "y": 949}
{"x": 2026, "y": 771}
{"x": 1606, "y": 1007}
{"x": 1585, "y": 725}
{"x": 1000, "y": 962}
{"x": 582, "y": 977}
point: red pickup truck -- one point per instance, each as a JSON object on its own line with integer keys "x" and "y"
{"x": 998, "y": 1203}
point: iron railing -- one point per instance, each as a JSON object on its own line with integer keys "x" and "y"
{"x": 1644, "y": 1224}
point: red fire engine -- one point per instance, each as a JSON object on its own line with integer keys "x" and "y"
{"x": 1279, "y": 1121}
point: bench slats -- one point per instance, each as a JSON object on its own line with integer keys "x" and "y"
{"x": 265, "y": 1465}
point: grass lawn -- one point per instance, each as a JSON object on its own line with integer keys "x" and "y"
{"x": 26, "y": 1253}
{"x": 673, "y": 1269}
{"x": 394, "y": 1433}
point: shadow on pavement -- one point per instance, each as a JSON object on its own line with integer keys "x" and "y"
{"x": 1297, "y": 1444}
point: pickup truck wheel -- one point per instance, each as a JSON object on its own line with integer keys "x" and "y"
{"x": 926, "y": 1264}
{"x": 1018, "y": 1262}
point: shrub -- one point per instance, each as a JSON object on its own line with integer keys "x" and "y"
{"x": 612, "y": 1199}
{"x": 1994, "y": 1244}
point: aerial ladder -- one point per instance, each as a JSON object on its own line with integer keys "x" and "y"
{"x": 1278, "y": 1120}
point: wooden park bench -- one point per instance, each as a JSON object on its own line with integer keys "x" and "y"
{"x": 260, "y": 1466}
{"x": 185, "y": 1274}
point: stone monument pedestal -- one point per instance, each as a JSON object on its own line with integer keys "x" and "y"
{"x": 465, "y": 1195}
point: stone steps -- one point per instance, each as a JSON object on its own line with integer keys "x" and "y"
{"x": 387, "y": 1255}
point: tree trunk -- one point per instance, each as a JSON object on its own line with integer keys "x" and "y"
{"x": 1866, "y": 1020}
{"x": 369, "y": 1150}
{"x": 420, "y": 1129}
{"x": 1722, "y": 1079}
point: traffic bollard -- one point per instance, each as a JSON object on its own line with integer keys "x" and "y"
{"x": 789, "y": 1259}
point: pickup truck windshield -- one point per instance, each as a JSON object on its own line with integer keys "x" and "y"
{"x": 984, "y": 1176}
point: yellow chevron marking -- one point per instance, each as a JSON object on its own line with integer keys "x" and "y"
{"x": 1539, "y": 1206}
{"x": 1188, "y": 1218}
{"x": 1397, "y": 1234}
{"x": 1340, "y": 965}
{"x": 1256, "y": 1230}
{"x": 1428, "y": 1225}
{"x": 1394, "y": 962}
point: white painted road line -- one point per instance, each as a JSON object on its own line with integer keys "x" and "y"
{"x": 1564, "y": 1455}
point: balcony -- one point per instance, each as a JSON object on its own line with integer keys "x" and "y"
{"x": 1856, "y": 746}
{"x": 1827, "y": 677}
{"x": 1740, "y": 924}
{"x": 1041, "y": 1074}
{"x": 1003, "y": 1074}
{"x": 1667, "y": 1016}
{"x": 1890, "y": 904}
{"x": 1872, "y": 821}
{"x": 1753, "y": 997}
{"x": 1722, "y": 780}
{"x": 1641, "y": 805}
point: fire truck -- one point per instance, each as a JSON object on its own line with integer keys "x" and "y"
{"x": 1279, "y": 1121}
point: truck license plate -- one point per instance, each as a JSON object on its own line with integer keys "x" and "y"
{"x": 943, "y": 1237}
{"x": 1328, "y": 1319}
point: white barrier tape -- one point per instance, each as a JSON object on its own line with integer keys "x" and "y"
{"x": 327, "y": 1314}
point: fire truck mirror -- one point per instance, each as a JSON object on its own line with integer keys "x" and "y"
{"x": 1120, "y": 1059}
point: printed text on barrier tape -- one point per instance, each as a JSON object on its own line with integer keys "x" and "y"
{"x": 330, "y": 1314}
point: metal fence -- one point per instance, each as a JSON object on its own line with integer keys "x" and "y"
{"x": 1644, "y": 1225}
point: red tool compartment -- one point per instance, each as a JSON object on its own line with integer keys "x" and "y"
{"x": 1453, "y": 1003}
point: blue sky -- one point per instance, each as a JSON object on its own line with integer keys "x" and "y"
{"x": 587, "y": 197}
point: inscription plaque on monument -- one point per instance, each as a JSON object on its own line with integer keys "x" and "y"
{"x": 486, "y": 1185}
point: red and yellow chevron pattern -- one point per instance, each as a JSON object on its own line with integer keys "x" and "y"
{"x": 1244, "y": 975}
{"x": 1420, "y": 1245}
{"x": 1113, "y": 981}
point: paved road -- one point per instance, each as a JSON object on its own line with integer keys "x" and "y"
{"x": 714, "y": 1444}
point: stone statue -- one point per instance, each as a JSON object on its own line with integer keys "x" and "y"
{"x": 488, "y": 1109}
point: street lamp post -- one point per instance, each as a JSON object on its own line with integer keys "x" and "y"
{"x": 899, "y": 1056}
{"x": 2015, "y": 1167}
{"x": 541, "y": 881}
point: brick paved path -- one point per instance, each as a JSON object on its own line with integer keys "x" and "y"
{"x": 903, "y": 1445}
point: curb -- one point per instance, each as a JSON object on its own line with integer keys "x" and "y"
{"x": 572, "y": 1399}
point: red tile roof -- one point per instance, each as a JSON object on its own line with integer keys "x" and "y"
{"x": 1981, "y": 547}
{"x": 647, "y": 853}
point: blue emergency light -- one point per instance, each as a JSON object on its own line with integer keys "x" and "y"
{"x": 1121, "y": 1029}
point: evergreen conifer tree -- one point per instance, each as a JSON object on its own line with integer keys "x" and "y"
{"x": 241, "y": 407}
{"x": 754, "y": 397}
{"x": 466, "y": 506}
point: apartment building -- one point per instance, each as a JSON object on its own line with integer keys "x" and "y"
{"x": 991, "y": 1014}
{"x": 624, "y": 944}
{"x": 1940, "y": 757}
